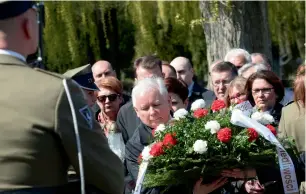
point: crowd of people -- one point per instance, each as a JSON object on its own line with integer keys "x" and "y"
{"x": 53, "y": 123}
{"x": 161, "y": 88}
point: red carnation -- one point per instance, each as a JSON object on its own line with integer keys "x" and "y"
{"x": 224, "y": 135}
{"x": 169, "y": 140}
{"x": 139, "y": 158}
{"x": 272, "y": 129}
{"x": 218, "y": 105}
{"x": 201, "y": 112}
{"x": 157, "y": 149}
{"x": 253, "y": 135}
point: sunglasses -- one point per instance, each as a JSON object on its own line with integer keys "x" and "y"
{"x": 111, "y": 98}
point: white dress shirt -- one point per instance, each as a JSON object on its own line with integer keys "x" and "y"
{"x": 12, "y": 53}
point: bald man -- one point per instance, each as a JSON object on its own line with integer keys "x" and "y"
{"x": 102, "y": 69}
{"x": 184, "y": 71}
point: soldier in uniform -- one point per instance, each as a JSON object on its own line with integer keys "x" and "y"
{"x": 38, "y": 141}
{"x": 84, "y": 78}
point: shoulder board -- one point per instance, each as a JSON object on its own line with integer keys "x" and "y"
{"x": 50, "y": 73}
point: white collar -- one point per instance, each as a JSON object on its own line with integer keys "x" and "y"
{"x": 12, "y": 53}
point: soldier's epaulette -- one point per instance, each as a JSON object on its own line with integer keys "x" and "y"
{"x": 50, "y": 73}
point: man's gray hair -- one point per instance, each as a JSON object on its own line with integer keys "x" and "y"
{"x": 257, "y": 66}
{"x": 147, "y": 84}
{"x": 265, "y": 60}
{"x": 238, "y": 52}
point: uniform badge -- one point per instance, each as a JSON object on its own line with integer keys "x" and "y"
{"x": 86, "y": 113}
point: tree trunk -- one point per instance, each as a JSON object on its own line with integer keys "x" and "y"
{"x": 238, "y": 24}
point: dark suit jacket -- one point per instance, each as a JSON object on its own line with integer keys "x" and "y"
{"x": 141, "y": 138}
{"x": 277, "y": 113}
{"x": 201, "y": 93}
{"x": 127, "y": 121}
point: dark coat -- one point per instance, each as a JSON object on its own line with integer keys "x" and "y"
{"x": 276, "y": 113}
{"x": 201, "y": 93}
{"x": 143, "y": 137}
{"x": 127, "y": 121}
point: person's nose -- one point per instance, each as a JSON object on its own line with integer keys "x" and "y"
{"x": 106, "y": 100}
{"x": 153, "y": 111}
{"x": 236, "y": 100}
{"x": 222, "y": 87}
{"x": 260, "y": 93}
{"x": 179, "y": 76}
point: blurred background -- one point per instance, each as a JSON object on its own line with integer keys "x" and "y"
{"x": 78, "y": 33}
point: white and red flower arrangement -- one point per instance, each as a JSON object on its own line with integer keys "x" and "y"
{"x": 203, "y": 142}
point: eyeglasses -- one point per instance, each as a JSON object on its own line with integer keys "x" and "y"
{"x": 111, "y": 97}
{"x": 224, "y": 82}
{"x": 263, "y": 90}
{"x": 237, "y": 96}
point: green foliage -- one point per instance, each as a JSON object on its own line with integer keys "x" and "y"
{"x": 77, "y": 33}
{"x": 287, "y": 22}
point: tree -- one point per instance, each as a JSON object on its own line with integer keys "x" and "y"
{"x": 287, "y": 24}
{"x": 235, "y": 24}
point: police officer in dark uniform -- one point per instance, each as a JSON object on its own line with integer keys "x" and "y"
{"x": 44, "y": 127}
{"x": 84, "y": 78}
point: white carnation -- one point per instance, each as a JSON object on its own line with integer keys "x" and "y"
{"x": 180, "y": 113}
{"x": 269, "y": 118}
{"x": 200, "y": 103}
{"x": 146, "y": 153}
{"x": 160, "y": 127}
{"x": 213, "y": 126}
{"x": 200, "y": 146}
{"x": 263, "y": 118}
{"x": 256, "y": 116}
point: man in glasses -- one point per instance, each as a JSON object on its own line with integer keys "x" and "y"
{"x": 221, "y": 76}
{"x": 40, "y": 141}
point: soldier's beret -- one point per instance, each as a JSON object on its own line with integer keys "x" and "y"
{"x": 9, "y": 9}
{"x": 83, "y": 76}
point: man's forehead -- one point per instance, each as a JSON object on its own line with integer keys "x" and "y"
{"x": 147, "y": 94}
{"x": 103, "y": 65}
{"x": 142, "y": 72}
{"x": 180, "y": 66}
{"x": 221, "y": 75}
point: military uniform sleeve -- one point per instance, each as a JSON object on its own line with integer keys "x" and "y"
{"x": 102, "y": 168}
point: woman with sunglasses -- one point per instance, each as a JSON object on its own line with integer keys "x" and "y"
{"x": 109, "y": 99}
